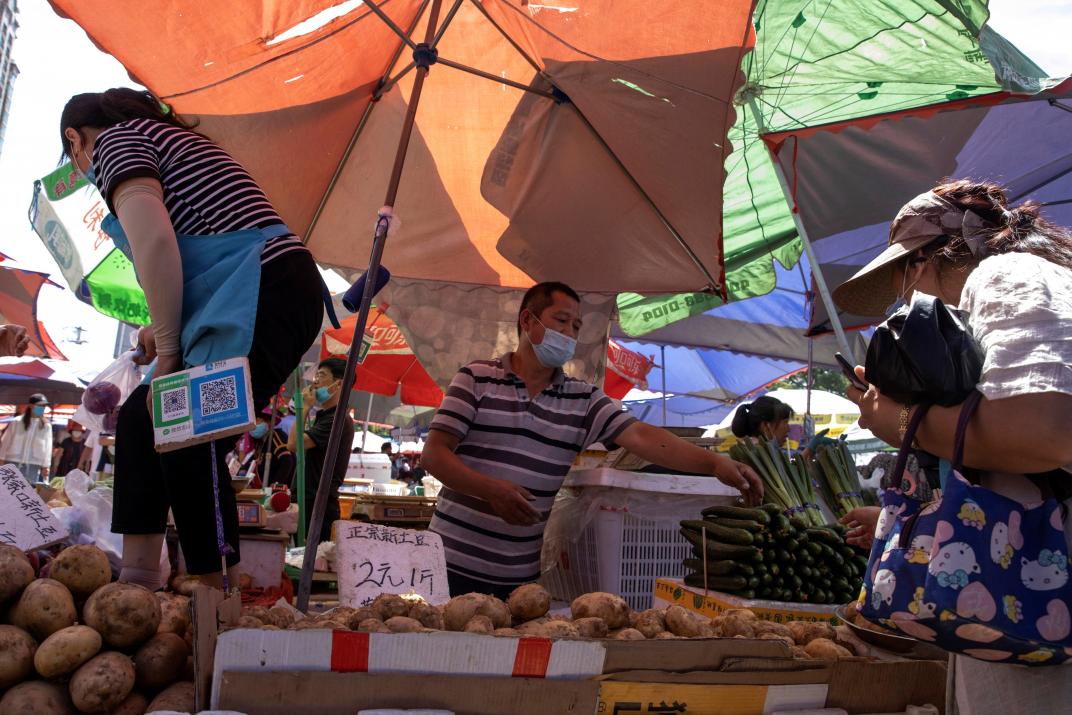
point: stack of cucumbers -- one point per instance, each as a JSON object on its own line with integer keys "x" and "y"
{"x": 763, "y": 553}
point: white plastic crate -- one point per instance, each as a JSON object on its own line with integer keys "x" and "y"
{"x": 631, "y": 536}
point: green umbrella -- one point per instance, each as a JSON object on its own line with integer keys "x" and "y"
{"x": 818, "y": 62}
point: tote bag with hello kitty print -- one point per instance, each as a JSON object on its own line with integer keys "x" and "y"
{"x": 973, "y": 572}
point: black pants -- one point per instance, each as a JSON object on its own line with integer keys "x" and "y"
{"x": 461, "y": 585}
{"x": 289, "y": 314}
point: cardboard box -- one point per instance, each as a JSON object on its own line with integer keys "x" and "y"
{"x": 332, "y": 693}
{"x": 671, "y": 591}
{"x": 854, "y": 684}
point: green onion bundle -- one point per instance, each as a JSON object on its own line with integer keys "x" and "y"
{"x": 786, "y": 482}
{"x": 834, "y": 470}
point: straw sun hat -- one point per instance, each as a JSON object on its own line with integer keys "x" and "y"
{"x": 922, "y": 221}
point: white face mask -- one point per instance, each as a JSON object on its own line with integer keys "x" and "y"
{"x": 77, "y": 434}
{"x": 906, "y": 290}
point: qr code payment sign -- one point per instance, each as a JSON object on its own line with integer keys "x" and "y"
{"x": 218, "y": 396}
{"x": 174, "y": 405}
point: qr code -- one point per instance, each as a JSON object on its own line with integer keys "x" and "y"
{"x": 218, "y": 396}
{"x": 173, "y": 405}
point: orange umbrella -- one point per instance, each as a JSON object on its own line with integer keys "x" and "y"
{"x": 18, "y": 304}
{"x": 389, "y": 363}
{"x": 581, "y": 142}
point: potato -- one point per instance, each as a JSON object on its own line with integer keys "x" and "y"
{"x": 135, "y": 704}
{"x": 388, "y": 605}
{"x": 461, "y": 609}
{"x": 160, "y": 661}
{"x": 685, "y": 623}
{"x": 775, "y": 637}
{"x": 102, "y": 683}
{"x": 44, "y": 607}
{"x": 16, "y": 655}
{"x": 651, "y": 622}
{"x": 825, "y": 649}
{"x": 427, "y": 614}
{"x": 733, "y": 626}
{"x": 479, "y": 624}
{"x": 762, "y": 628}
{"x": 188, "y": 669}
{"x": 309, "y": 624}
{"x": 16, "y": 573}
{"x": 628, "y": 634}
{"x": 36, "y": 698}
{"x": 82, "y": 569}
{"x": 66, "y": 650}
{"x": 591, "y": 627}
{"x": 174, "y": 613}
{"x": 245, "y": 582}
{"x": 799, "y": 653}
{"x": 125, "y": 614}
{"x": 511, "y": 632}
{"x": 528, "y": 602}
{"x": 403, "y": 624}
{"x": 664, "y": 636}
{"x": 551, "y": 629}
{"x": 177, "y": 698}
{"x": 280, "y": 617}
{"x": 261, "y": 613}
{"x": 804, "y": 632}
{"x": 185, "y": 584}
{"x": 612, "y": 609}
{"x": 360, "y": 614}
{"x": 372, "y": 625}
{"x": 746, "y": 613}
{"x": 249, "y": 622}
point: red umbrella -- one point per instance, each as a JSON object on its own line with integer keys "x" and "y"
{"x": 625, "y": 370}
{"x": 18, "y": 305}
{"x": 388, "y": 364}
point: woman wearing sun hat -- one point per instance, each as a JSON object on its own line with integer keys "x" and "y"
{"x": 1011, "y": 272}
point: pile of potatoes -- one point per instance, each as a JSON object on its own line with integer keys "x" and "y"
{"x": 77, "y": 642}
{"x": 527, "y": 613}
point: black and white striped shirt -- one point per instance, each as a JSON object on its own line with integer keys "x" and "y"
{"x": 530, "y": 442}
{"x": 206, "y": 192}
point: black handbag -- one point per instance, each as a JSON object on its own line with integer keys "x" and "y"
{"x": 925, "y": 354}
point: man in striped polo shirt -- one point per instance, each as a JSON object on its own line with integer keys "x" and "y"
{"x": 505, "y": 437}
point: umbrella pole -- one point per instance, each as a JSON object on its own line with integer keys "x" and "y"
{"x": 662, "y": 359}
{"x": 368, "y": 417}
{"x": 423, "y": 59}
{"x": 299, "y": 459}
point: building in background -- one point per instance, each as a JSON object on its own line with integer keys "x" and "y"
{"x": 8, "y": 70}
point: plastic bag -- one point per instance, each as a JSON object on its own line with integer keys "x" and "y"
{"x": 107, "y": 393}
{"x": 89, "y": 520}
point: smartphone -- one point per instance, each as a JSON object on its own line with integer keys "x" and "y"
{"x": 846, "y": 367}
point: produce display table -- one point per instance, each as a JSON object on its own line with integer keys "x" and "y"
{"x": 411, "y": 512}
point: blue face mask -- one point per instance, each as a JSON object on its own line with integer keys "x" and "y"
{"x": 38, "y": 411}
{"x": 259, "y": 431}
{"x": 323, "y": 394}
{"x": 556, "y": 349}
{"x": 91, "y": 175}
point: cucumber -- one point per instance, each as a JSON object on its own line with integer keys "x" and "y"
{"x": 737, "y": 512}
{"x": 719, "y": 533}
{"x": 714, "y": 568}
{"x": 749, "y": 525}
{"x": 748, "y": 569}
{"x": 730, "y": 584}
{"x": 772, "y": 509}
{"x": 824, "y": 535}
{"x": 791, "y": 545}
{"x": 748, "y": 594}
{"x": 720, "y": 551}
{"x": 774, "y": 569}
{"x": 814, "y": 548}
{"x": 798, "y": 523}
{"x": 753, "y": 582}
{"x": 766, "y": 579}
{"x": 780, "y": 525}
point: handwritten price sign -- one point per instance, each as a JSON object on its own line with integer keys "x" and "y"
{"x": 376, "y": 559}
{"x": 26, "y": 522}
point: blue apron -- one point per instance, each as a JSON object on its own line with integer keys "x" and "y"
{"x": 221, "y": 276}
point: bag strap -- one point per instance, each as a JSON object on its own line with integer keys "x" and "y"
{"x": 906, "y": 443}
{"x": 966, "y": 412}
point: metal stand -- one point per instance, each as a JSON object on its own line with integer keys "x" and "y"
{"x": 424, "y": 57}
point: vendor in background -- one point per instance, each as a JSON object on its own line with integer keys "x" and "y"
{"x": 27, "y": 442}
{"x": 400, "y": 469}
{"x": 768, "y": 418}
{"x": 262, "y": 440}
{"x": 507, "y": 433}
{"x": 324, "y": 394}
{"x": 68, "y": 455}
{"x": 13, "y": 340}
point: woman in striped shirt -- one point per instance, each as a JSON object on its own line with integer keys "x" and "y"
{"x": 222, "y": 276}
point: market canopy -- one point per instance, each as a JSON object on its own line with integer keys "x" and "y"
{"x": 501, "y": 186}
{"x": 25, "y": 376}
{"x": 18, "y": 304}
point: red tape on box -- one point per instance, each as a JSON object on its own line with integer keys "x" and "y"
{"x": 533, "y": 655}
{"x": 349, "y": 652}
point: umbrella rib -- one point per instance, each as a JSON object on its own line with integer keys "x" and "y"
{"x": 386, "y": 83}
{"x": 495, "y": 78}
{"x": 713, "y": 284}
{"x": 446, "y": 22}
{"x": 507, "y": 37}
{"x": 390, "y": 23}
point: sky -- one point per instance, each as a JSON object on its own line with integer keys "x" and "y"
{"x": 56, "y": 61}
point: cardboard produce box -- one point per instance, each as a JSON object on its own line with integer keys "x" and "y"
{"x": 669, "y": 592}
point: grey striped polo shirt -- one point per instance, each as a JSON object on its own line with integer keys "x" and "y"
{"x": 531, "y": 442}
